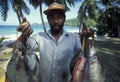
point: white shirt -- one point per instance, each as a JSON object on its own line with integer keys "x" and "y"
{"x": 55, "y": 57}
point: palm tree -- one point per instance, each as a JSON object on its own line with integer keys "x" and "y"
{"x": 4, "y": 9}
{"x": 112, "y": 16}
{"x": 20, "y": 5}
{"x": 88, "y": 10}
{"x": 17, "y": 5}
{"x": 38, "y": 3}
{"x": 91, "y": 10}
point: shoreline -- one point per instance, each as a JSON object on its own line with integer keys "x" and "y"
{"x": 10, "y": 39}
{"x": 14, "y": 37}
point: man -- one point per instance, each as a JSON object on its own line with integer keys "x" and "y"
{"x": 57, "y": 47}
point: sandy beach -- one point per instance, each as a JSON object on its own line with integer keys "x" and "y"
{"x": 10, "y": 39}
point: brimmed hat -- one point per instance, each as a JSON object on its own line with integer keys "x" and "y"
{"x": 54, "y": 6}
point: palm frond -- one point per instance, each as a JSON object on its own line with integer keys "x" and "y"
{"x": 48, "y": 2}
{"x": 70, "y": 2}
{"x": 89, "y": 10}
{"x": 25, "y": 8}
{"x": 21, "y": 7}
{"x": 35, "y": 3}
{"x": 4, "y": 9}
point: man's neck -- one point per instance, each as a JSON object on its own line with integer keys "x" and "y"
{"x": 56, "y": 34}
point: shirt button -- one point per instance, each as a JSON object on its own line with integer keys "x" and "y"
{"x": 53, "y": 66}
{"x": 54, "y": 57}
{"x": 53, "y": 75}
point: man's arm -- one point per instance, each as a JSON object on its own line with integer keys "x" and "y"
{"x": 26, "y": 32}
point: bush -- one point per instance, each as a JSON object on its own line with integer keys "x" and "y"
{"x": 1, "y": 39}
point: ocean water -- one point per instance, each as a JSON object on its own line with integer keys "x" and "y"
{"x": 10, "y": 30}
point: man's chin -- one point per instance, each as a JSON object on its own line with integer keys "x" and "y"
{"x": 56, "y": 31}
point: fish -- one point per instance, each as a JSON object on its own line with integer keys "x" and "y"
{"x": 32, "y": 65}
{"x": 94, "y": 71}
{"x": 20, "y": 68}
{"x": 77, "y": 67}
{"x": 88, "y": 69}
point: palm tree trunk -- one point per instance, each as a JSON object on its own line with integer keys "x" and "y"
{"x": 119, "y": 31}
{"x": 18, "y": 20}
{"x": 18, "y": 16}
{"x": 41, "y": 15}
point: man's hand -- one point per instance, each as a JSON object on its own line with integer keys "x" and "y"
{"x": 25, "y": 28}
{"x": 26, "y": 31}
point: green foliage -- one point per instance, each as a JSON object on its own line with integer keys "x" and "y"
{"x": 88, "y": 10}
{"x": 1, "y": 39}
{"x": 76, "y": 22}
{"x": 4, "y": 9}
{"x": 72, "y": 22}
{"x": 7, "y": 52}
{"x": 103, "y": 14}
{"x": 109, "y": 22}
{"x": 90, "y": 22}
{"x": 18, "y": 5}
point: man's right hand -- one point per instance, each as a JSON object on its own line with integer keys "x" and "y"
{"x": 25, "y": 29}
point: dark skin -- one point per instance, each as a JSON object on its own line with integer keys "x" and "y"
{"x": 56, "y": 21}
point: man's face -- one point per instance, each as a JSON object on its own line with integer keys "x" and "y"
{"x": 56, "y": 20}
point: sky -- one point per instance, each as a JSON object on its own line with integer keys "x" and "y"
{"x": 34, "y": 16}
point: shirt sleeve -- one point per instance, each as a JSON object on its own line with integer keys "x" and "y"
{"x": 32, "y": 42}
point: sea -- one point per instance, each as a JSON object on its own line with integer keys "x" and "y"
{"x": 10, "y": 30}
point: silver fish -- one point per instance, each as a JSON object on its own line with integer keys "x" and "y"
{"x": 20, "y": 68}
{"x": 94, "y": 71}
{"x": 89, "y": 69}
{"x": 32, "y": 65}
